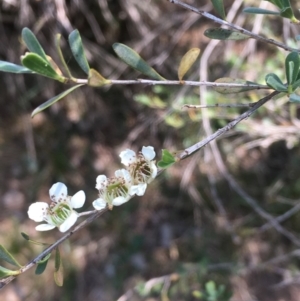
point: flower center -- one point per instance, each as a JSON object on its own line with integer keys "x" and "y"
{"x": 141, "y": 171}
{"x": 59, "y": 213}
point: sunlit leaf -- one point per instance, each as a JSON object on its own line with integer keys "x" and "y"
{"x": 96, "y": 79}
{"x": 154, "y": 102}
{"x": 187, "y": 61}
{"x": 224, "y": 34}
{"x": 42, "y": 264}
{"x": 273, "y": 81}
{"x": 32, "y": 43}
{"x": 167, "y": 159}
{"x": 133, "y": 59}
{"x": 219, "y": 7}
{"x": 54, "y": 65}
{"x": 53, "y": 100}
{"x": 294, "y": 98}
{"x": 256, "y": 10}
{"x": 229, "y": 90}
{"x": 6, "y": 272}
{"x": 78, "y": 50}
{"x": 37, "y": 64}
{"x": 61, "y": 56}
{"x": 5, "y": 255}
{"x": 13, "y": 68}
{"x": 58, "y": 273}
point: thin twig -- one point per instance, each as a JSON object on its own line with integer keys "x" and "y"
{"x": 230, "y": 105}
{"x": 233, "y": 26}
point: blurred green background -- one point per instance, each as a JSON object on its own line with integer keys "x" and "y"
{"x": 191, "y": 236}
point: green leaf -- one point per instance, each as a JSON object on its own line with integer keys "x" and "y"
{"x": 5, "y": 255}
{"x": 153, "y": 102}
{"x": 174, "y": 120}
{"x": 25, "y": 236}
{"x": 53, "y": 100}
{"x": 78, "y": 50}
{"x": 274, "y": 82}
{"x": 256, "y": 10}
{"x": 13, "y": 68}
{"x": 6, "y": 272}
{"x": 224, "y": 34}
{"x": 219, "y": 7}
{"x": 287, "y": 12}
{"x": 295, "y": 98}
{"x": 296, "y": 84}
{"x": 292, "y": 65}
{"x": 133, "y": 59}
{"x": 96, "y": 79}
{"x": 58, "y": 273}
{"x": 42, "y": 264}
{"x": 61, "y": 56}
{"x": 229, "y": 90}
{"x": 187, "y": 61}
{"x": 167, "y": 159}
{"x": 32, "y": 43}
{"x": 37, "y": 64}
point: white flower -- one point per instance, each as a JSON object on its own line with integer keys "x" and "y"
{"x": 142, "y": 168}
{"x": 60, "y": 212}
{"x": 113, "y": 191}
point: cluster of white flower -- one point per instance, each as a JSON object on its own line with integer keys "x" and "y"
{"x": 140, "y": 171}
{"x": 115, "y": 191}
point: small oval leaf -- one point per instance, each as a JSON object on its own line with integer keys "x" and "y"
{"x": 273, "y": 81}
{"x": 219, "y": 7}
{"x": 96, "y": 79}
{"x": 53, "y": 100}
{"x": 292, "y": 65}
{"x": 78, "y": 50}
{"x": 167, "y": 159}
{"x": 13, "y": 68}
{"x": 229, "y": 90}
{"x": 25, "y": 236}
{"x": 224, "y": 34}
{"x": 5, "y": 255}
{"x": 187, "y": 61}
{"x": 42, "y": 264}
{"x": 6, "y": 272}
{"x": 32, "y": 43}
{"x": 37, "y": 64}
{"x": 133, "y": 59}
{"x": 260, "y": 11}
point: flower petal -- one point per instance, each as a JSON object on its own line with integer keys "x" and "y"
{"x": 119, "y": 201}
{"x": 37, "y": 211}
{"x": 99, "y": 204}
{"x": 123, "y": 173}
{"x": 138, "y": 189}
{"x": 44, "y": 227}
{"x": 127, "y": 156}
{"x": 154, "y": 170}
{"x": 148, "y": 152}
{"x": 78, "y": 199}
{"x": 69, "y": 222}
{"x": 58, "y": 192}
{"x": 101, "y": 181}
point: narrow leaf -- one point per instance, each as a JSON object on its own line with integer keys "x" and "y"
{"x": 6, "y": 272}
{"x": 37, "y": 64}
{"x": 13, "y": 68}
{"x": 295, "y": 98}
{"x": 61, "y": 56}
{"x": 58, "y": 273}
{"x": 273, "y": 81}
{"x": 229, "y": 90}
{"x": 53, "y": 100}
{"x": 260, "y": 11}
{"x": 32, "y": 43}
{"x": 42, "y": 264}
{"x": 219, "y": 7}
{"x": 5, "y": 255}
{"x": 292, "y": 65}
{"x": 78, "y": 50}
{"x": 54, "y": 65}
{"x": 287, "y": 12}
{"x": 133, "y": 59}
{"x": 187, "y": 61}
{"x": 25, "y": 236}
{"x": 296, "y": 84}
{"x": 96, "y": 79}
{"x": 224, "y": 34}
